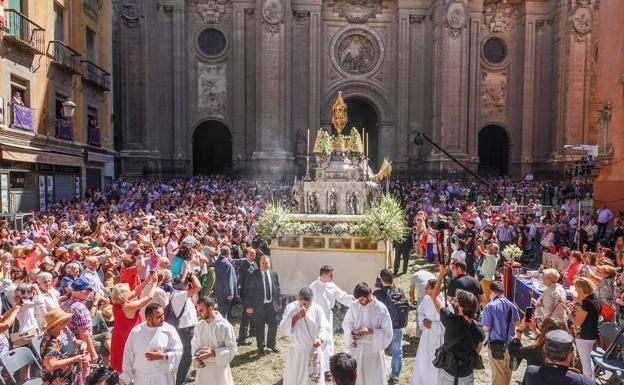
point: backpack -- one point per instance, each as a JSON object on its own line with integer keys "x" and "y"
{"x": 170, "y": 317}
{"x": 398, "y": 306}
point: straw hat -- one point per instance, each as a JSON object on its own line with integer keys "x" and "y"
{"x": 56, "y": 316}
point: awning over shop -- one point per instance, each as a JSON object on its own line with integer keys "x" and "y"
{"x": 99, "y": 157}
{"x": 33, "y": 156}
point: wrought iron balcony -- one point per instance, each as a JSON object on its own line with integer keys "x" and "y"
{"x": 22, "y": 117}
{"x": 24, "y": 32}
{"x": 95, "y": 75}
{"x": 64, "y": 56}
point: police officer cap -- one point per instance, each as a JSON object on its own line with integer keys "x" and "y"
{"x": 558, "y": 341}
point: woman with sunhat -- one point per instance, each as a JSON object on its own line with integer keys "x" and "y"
{"x": 65, "y": 359}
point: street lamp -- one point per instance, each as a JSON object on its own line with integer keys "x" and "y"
{"x": 69, "y": 108}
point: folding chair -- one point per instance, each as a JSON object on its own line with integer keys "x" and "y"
{"x": 609, "y": 331}
{"x": 18, "y": 358}
{"x": 614, "y": 366}
{"x": 99, "y": 324}
{"x": 36, "y": 343}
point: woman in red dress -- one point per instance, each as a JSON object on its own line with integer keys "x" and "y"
{"x": 126, "y": 313}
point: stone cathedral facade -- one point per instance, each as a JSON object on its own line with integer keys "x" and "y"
{"x": 205, "y": 86}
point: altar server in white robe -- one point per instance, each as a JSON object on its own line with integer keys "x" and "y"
{"x": 213, "y": 345}
{"x": 152, "y": 352}
{"x": 368, "y": 331}
{"x": 305, "y": 323}
{"x": 326, "y": 293}
{"x": 432, "y": 338}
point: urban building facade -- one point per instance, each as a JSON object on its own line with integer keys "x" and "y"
{"x": 55, "y": 100}
{"x": 206, "y": 85}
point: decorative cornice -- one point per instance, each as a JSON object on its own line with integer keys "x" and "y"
{"x": 417, "y": 19}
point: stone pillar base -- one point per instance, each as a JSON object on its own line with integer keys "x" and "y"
{"x": 272, "y": 164}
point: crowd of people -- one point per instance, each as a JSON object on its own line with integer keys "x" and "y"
{"x": 138, "y": 285}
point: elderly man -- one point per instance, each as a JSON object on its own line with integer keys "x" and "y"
{"x": 72, "y": 270}
{"x": 152, "y": 352}
{"x": 81, "y": 322}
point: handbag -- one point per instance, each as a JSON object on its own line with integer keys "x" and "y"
{"x": 445, "y": 359}
{"x": 498, "y": 348}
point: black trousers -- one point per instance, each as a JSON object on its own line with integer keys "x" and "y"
{"x": 398, "y": 253}
{"x": 470, "y": 264}
{"x": 186, "y": 335}
{"x": 245, "y": 323}
{"x": 265, "y": 315}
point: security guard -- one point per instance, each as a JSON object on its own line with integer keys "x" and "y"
{"x": 559, "y": 351}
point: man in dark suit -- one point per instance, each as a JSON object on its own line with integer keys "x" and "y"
{"x": 247, "y": 268}
{"x": 265, "y": 302}
{"x": 403, "y": 249}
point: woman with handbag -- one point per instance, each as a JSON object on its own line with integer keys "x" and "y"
{"x": 585, "y": 315}
{"x": 65, "y": 359}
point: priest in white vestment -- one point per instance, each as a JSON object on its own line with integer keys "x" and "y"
{"x": 368, "y": 331}
{"x": 305, "y": 323}
{"x": 326, "y": 293}
{"x": 152, "y": 352}
{"x": 213, "y": 345}
{"x": 424, "y": 373}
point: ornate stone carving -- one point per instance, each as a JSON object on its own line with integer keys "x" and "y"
{"x": 313, "y": 206}
{"x": 249, "y": 14}
{"x": 582, "y": 20}
{"x": 605, "y": 148}
{"x": 494, "y": 94}
{"x": 417, "y": 19}
{"x": 332, "y": 202}
{"x": 211, "y": 88}
{"x": 358, "y": 11}
{"x": 357, "y": 52}
{"x": 92, "y": 7}
{"x": 211, "y": 11}
{"x": 130, "y": 13}
{"x": 498, "y": 17}
{"x": 272, "y": 15}
{"x": 455, "y": 17}
{"x": 301, "y": 16}
{"x": 352, "y": 203}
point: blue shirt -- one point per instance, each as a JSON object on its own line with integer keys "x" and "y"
{"x": 495, "y": 317}
{"x": 65, "y": 283}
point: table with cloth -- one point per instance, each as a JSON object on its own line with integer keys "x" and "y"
{"x": 523, "y": 289}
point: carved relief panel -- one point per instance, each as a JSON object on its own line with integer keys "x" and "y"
{"x": 211, "y": 88}
{"x": 493, "y": 95}
{"x": 356, "y": 51}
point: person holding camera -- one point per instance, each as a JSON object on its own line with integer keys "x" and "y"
{"x": 499, "y": 319}
{"x": 183, "y": 309}
{"x": 398, "y": 307}
{"x": 368, "y": 332}
{"x": 459, "y": 356}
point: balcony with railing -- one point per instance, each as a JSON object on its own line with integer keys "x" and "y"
{"x": 23, "y": 32}
{"x": 64, "y": 56}
{"x": 95, "y": 75}
{"x": 22, "y": 117}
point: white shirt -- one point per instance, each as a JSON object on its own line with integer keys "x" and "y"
{"x": 267, "y": 291}
{"x": 189, "y": 317}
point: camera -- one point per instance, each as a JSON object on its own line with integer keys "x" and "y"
{"x": 441, "y": 225}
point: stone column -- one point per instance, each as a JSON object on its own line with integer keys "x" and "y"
{"x": 476, "y": 17}
{"x": 403, "y": 65}
{"x": 181, "y": 144}
{"x": 451, "y": 67}
{"x": 528, "y": 94}
{"x": 239, "y": 149}
{"x": 273, "y": 149}
{"x": 314, "y": 111}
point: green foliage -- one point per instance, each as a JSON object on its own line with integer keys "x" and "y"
{"x": 343, "y": 229}
{"x": 275, "y": 221}
{"x": 383, "y": 221}
{"x": 307, "y": 229}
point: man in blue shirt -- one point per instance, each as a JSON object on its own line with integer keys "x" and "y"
{"x": 499, "y": 319}
{"x": 225, "y": 282}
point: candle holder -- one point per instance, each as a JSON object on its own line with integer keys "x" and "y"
{"x": 307, "y": 176}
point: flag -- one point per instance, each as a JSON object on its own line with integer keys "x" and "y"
{"x": 22, "y": 117}
{"x": 63, "y": 128}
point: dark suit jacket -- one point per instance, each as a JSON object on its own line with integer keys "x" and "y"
{"x": 245, "y": 278}
{"x": 255, "y": 288}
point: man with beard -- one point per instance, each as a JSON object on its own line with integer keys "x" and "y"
{"x": 153, "y": 351}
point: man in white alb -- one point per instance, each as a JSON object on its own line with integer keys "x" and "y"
{"x": 152, "y": 352}
{"x": 213, "y": 345}
{"x": 325, "y": 294}
{"x": 307, "y": 327}
{"x": 368, "y": 332}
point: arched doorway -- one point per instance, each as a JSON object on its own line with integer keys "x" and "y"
{"x": 212, "y": 148}
{"x": 363, "y": 115}
{"x": 493, "y": 151}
